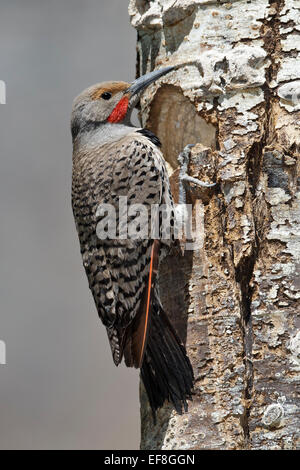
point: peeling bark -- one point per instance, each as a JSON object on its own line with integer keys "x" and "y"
{"x": 236, "y": 93}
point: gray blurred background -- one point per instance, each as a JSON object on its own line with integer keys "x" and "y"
{"x": 59, "y": 389}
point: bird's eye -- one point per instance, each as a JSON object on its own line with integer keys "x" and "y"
{"x": 106, "y": 95}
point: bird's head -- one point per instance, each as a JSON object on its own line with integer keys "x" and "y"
{"x": 110, "y": 102}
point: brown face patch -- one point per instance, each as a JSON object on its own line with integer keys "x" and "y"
{"x": 111, "y": 87}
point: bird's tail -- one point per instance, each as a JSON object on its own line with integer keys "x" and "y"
{"x": 166, "y": 371}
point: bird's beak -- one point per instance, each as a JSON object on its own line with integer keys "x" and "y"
{"x": 142, "y": 82}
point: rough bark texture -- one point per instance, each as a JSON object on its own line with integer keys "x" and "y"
{"x": 235, "y": 301}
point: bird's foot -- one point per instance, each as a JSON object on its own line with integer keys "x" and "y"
{"x": 184, "y": 178}
{"x": 189, "y": 217}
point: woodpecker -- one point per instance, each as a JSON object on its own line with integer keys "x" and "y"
{"x": 113, "y": 159}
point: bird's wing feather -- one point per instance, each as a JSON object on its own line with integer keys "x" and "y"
{"x": 119, "y": 269}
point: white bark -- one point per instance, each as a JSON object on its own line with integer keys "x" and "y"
{"x": 236, "y": 91}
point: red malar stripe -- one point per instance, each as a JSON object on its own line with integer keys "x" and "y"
{"x": 120, "y": 111}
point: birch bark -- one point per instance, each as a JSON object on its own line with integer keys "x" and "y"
{"x": 236, "y": 93}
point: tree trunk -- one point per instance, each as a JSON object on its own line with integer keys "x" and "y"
{"x": 236, "y": 93}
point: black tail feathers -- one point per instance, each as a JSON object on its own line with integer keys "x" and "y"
{"x": 166, "y": 371}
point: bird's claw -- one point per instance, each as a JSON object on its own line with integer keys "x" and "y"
{"x": 184, "y": 178}
{"x": 189, "y": 179}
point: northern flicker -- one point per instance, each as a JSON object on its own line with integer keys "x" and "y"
{"x": 113, "y": 159}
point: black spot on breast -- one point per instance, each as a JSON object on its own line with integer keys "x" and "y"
{"x": 152, "y": 137}
{"x": 75, "y": 130}
{"x": 108, "y": 302}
